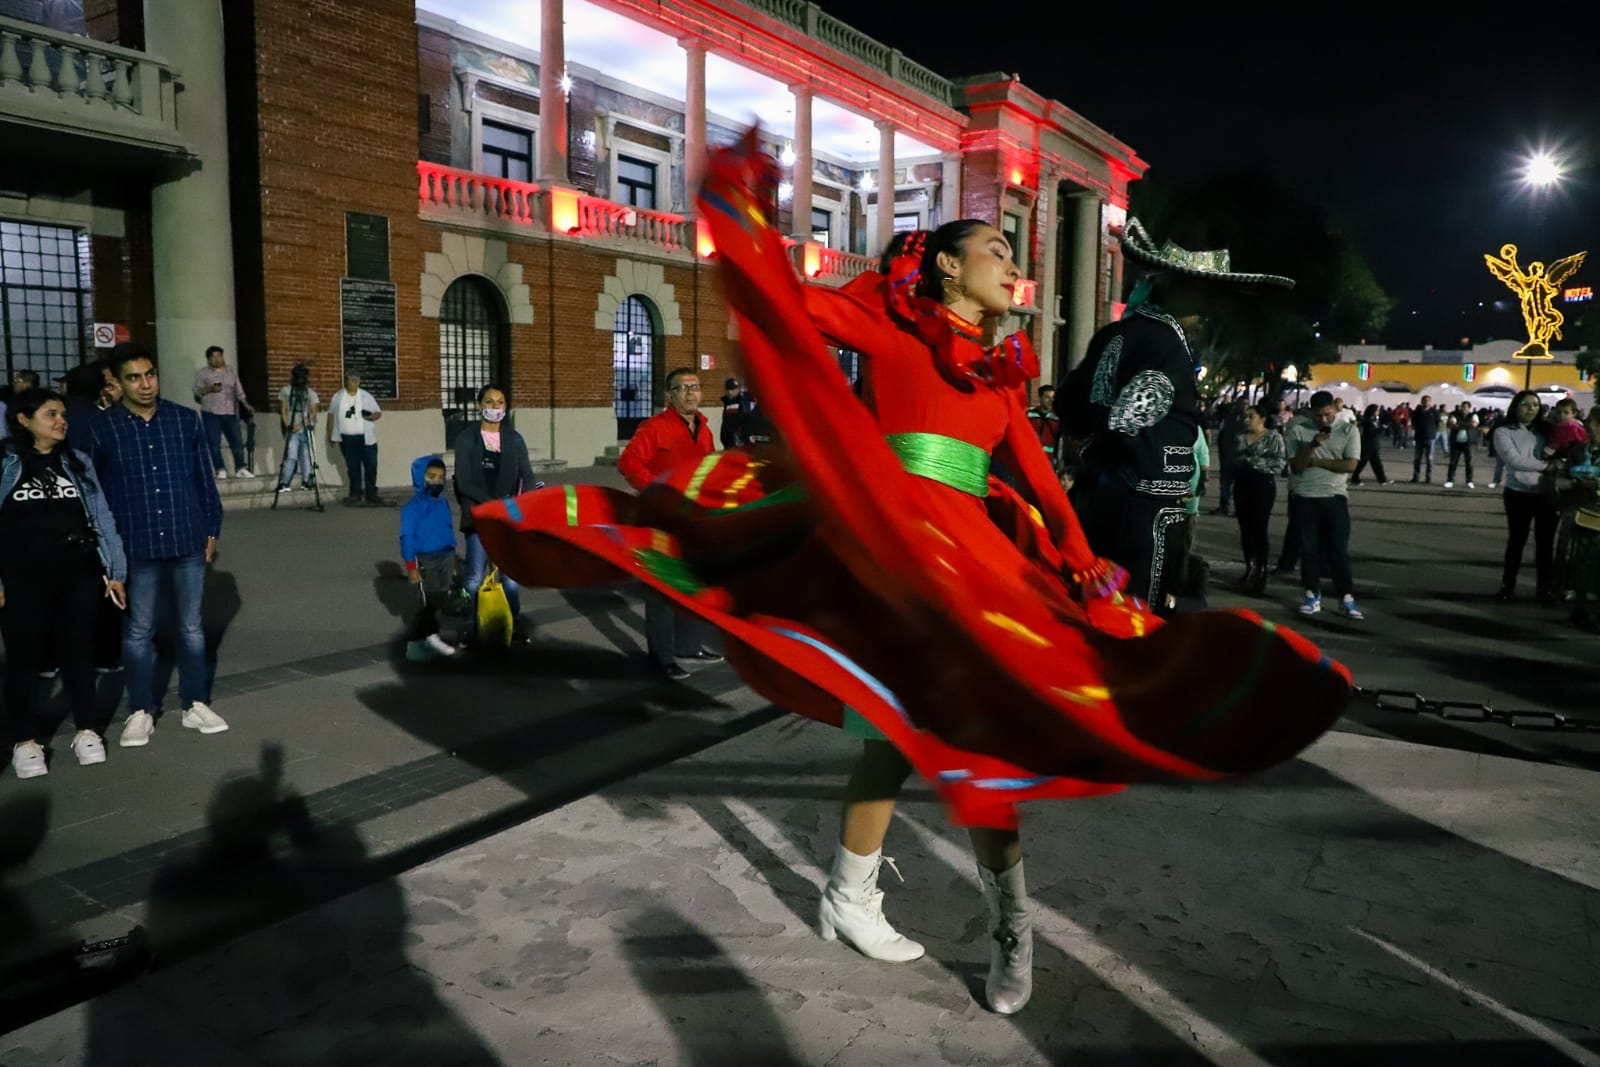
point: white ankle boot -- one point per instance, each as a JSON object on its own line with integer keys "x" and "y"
{"x": 1010, "y": 981}
{"x": 852, "y": 908}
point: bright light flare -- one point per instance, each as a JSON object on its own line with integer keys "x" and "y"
{"x": 1543, "y": 171}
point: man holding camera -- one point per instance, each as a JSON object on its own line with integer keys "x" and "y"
{"x": 221, "y": 399}
{"x": 352, "y": 415}
{"x": 297, "y": 410}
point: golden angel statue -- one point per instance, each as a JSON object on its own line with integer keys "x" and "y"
{"x": 1537, "y": 287}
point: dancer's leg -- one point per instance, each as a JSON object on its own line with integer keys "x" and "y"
{"x": 870, "y": 795}
{"x": 1010, "y": 981}
{"x": 852, "y": 903}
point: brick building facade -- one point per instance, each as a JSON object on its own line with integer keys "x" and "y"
{"x": 368, "y": 152}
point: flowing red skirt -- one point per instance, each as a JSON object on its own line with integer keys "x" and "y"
{"x": 839, "y": 580}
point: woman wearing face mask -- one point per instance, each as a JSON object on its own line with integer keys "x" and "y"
{"x": 1530, "y": 497}
{"x": 59, "y": 557}
{"x": 873, "y": 573}
{"x": 491, "y": 464}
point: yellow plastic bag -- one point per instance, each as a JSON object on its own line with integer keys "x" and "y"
{"x": 494, "y": 611}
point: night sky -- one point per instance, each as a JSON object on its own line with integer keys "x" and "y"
{"x": 1410, "y": 131}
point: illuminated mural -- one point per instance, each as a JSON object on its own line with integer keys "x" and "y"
{"x": 1536, "y": 287}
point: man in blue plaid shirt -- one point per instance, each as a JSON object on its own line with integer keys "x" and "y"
{"x": 156, "y": 466}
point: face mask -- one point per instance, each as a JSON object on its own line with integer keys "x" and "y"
{"x": 433, "y": 488}
{"x": 494, "y": 414}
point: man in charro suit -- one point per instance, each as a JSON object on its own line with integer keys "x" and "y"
{"x": 1135, "y": 400}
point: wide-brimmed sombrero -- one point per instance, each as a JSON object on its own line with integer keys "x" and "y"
{"x": 1213, "y": 265}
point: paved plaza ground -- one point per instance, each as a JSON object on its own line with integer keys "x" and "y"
{"x": 557, "y": 858}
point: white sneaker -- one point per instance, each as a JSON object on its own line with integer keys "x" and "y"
{"x": 243, "y": 472}
{"x": 1493, "y": 485}
{"x": 137, "y": 730}
{"x": 1449, "y": 485}
{"x": 1471, "y": 486}
{"x": 440, "y": 645}
{"x": 222, "y": 474}
{"x": 198, "y": 716}
{"x": 88, "y": 747}
{"x": 27, "y": 759}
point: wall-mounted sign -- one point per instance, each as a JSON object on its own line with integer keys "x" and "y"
{"x": 369, "y": 334}
{"x": 366, "y": 247}
{"x": 1581, "y": 292}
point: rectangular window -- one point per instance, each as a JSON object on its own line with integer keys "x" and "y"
{"x": 636, "y": 182}
{"x": 1011, "y": 226}
{"x": 907, "y": 223}
{"x": 821, "y": 226}
{"x": 46, "y": 304}
{"x": 507, "y": 151}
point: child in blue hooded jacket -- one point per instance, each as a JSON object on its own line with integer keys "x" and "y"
{"x": 428, "y": 547}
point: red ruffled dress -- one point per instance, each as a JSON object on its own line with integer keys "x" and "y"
{"x": 874, "y": 563}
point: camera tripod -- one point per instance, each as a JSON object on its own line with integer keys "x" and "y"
{"x": 300, "y": 411}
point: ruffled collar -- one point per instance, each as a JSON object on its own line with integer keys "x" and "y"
{"x": 957, "y": 344}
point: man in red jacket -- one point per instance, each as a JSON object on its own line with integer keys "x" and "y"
{"x": 678, "y": 435}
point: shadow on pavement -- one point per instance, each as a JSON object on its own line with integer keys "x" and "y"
{"x": 1254, "y": 914}
{"x": 619, "y": 621}
{"x": 265, "y": 860}
{"x": 718, "y": 1015}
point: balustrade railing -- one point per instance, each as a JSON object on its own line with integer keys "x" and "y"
{"x": 61, "y": 77}
{"x": 829, "y": 265}
{"x": 462, "y": 192}
{"x": 843, "y": 37}
{"x": 609, "y": 220}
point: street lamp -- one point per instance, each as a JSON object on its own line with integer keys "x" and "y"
{"x": 1542, "y": 171}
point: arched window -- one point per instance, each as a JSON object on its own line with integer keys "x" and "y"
{"x": 472, "y": 350}
{"x": 633, "y": 361}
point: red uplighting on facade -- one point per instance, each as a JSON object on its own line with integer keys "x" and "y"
{"x": 1023, "y": 295}
{"x": 813, "y": 260}
{"x": 704, "y": 247}
{"x": 1117, "y": 310}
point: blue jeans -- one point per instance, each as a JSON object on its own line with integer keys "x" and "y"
{"x": 478, "y": 566}
{"x": 149, "y": 581}
{"x": 296, "y": 449}
{"x": 216, "y": 426}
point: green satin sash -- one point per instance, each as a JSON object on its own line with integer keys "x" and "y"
{"x": 961, "y": 466}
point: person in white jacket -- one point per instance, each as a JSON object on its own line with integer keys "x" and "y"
{"x": 1530, "y": 497}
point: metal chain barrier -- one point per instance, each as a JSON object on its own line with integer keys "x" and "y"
{"x": 1472, "y": 711}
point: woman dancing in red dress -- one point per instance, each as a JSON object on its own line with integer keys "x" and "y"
{"x": 875, "y": 565}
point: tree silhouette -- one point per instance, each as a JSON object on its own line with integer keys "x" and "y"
{"x": 1270, "y": 227}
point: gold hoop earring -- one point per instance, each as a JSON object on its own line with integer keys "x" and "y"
{"x": 953, "y": 291}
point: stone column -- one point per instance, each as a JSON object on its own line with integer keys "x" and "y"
{"x": 950, "y": 188}
{"x": 804, "y": 164}
{"x": 191, "y": 228}
{"x": 552, "y": 100}
{"x": 885, "y": 186}
{"x": 1048, "y": 211}
{"x": 694, "y": 118}
{"x": 1083, "y": 300}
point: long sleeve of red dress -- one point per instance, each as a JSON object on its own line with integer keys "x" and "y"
{"x": 1040, "y": 486}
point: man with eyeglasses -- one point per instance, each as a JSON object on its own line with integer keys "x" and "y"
{"x": 662, "y": 442}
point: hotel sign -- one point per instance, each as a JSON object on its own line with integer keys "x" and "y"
{"x": 1577, "y": 293}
